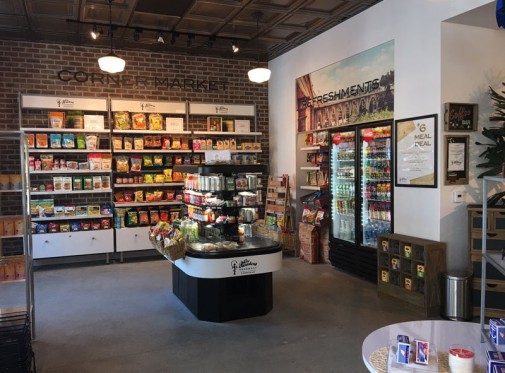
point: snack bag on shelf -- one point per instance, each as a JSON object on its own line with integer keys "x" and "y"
{"x": 122, "y": 121}
{"x": 139, "y": 121}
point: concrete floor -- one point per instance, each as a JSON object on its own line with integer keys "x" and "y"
{"x": 124, "y": 318}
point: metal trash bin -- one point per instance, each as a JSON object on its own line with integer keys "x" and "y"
{"x": 457, "y": 296}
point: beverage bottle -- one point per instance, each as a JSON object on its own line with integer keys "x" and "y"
{"x": 388, "y": 191}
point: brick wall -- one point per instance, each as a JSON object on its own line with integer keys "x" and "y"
{"x": 32, "y": 68}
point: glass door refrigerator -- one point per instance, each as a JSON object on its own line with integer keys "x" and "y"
{"x": 361, "y": 196}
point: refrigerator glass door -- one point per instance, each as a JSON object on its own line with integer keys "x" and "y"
{"x": 343, "y": 171}
{"x": 375, "y": 183}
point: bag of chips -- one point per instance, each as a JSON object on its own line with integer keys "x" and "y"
{"x": 122, "y": 163}
{"x": 122, "y": 120}
{"x": 155, "y": 122}
{"x": 148, "y": 160}
{"x": 139, "y": 121}
{"x": 139, "y": 196}
{"x": 136, "y": 163}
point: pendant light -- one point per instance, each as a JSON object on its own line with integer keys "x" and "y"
{"x": 259, "y": 74}
{"x": 111, "y": 63}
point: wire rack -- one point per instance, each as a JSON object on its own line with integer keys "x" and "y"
{"x": 16, "y": 354}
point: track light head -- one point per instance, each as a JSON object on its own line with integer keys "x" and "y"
{"x": 234, "y": 47}
{"x": 160, "y": 39}
{"x": 95, "y": 34}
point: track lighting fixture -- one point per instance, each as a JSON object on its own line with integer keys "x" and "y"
{"x": 95, "y": 34}
{"x": 234, "y": 47}
{"x": 136, "y": 34}
{"x": 159, "y": 37}
{"x": 111, "y": 63}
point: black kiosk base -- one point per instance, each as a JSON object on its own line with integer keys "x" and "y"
{"x": 224, "y": 299}
{"x": 240, "y": 288}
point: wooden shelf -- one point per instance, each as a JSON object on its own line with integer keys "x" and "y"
{"x": 398, "y": 258}
{"x": 495, "y": 233}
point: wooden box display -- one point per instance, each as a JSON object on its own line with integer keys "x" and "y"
{"x": 409, "y": 269}
{"x": 495, "y": 281}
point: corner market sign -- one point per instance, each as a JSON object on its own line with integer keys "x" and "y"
{"x": 125, "y": 80}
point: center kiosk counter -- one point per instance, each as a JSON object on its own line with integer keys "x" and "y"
{"x": 228, "y": 285}
{"x": 223, "y": 285}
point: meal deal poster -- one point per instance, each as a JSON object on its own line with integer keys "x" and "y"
{"x": 416, "y": 152}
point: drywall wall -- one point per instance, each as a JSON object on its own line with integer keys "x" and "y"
{"x": 471, "y": 63}
{"x": 415, "y": 27}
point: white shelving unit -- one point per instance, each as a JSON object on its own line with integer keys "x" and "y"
{"x": 136, "y": 238}
{"x": 493, "y": 259}
{"x": 34, "y": 109}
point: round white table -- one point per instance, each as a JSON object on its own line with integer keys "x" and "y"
{"x": 439, "y": 332}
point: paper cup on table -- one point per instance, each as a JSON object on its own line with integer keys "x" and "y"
{"x": 461, "y": 359}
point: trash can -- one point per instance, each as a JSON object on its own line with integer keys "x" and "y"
{"x": 457, "y": 296}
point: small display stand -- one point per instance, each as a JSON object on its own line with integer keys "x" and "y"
{"x": 394, "y": 366}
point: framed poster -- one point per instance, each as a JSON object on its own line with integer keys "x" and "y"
{"x": 416, "y": 152}
{"x": 461, "y": 117}
{"x": 456, "y": 159}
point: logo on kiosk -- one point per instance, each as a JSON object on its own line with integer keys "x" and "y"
{"x": 221, "y": 110}
{"x": 243, "y": 267}
{"x": 65, "y": 103}
{"x": 147, "y": 106}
